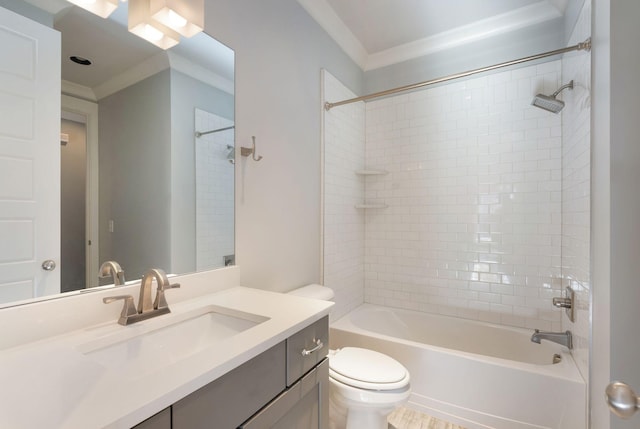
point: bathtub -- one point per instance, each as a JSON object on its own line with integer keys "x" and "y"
{"x": 471, "y": 373}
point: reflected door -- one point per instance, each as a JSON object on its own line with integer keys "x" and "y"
{"x": 29, "y": 158}
{"x": 73, "y": 199}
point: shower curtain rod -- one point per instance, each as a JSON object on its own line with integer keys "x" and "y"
{"x": 584, "y": 46}
{"x": 204, "y": 133}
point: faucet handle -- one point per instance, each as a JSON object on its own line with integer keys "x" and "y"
{"x": 128, "y": 310}
{"x": 562, "y": 302}
{"x": 160, "y": 301}
{"x": 567, "y": 302}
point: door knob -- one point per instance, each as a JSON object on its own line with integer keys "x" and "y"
{"x": 49, "y": 265}
{"x": 622, "y": 400}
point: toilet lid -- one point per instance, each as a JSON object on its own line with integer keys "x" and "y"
{"x": 367, "y": 369}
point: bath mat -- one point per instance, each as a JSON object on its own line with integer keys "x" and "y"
{"x": 405, "y": 418}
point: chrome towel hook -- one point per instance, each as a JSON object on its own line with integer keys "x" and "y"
{"x": 246, "y": 151}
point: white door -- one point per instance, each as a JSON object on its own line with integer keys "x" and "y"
{"x": 625, "y": 201}
{"x": 29, "y": 158}
{"x": 87, "y": 112}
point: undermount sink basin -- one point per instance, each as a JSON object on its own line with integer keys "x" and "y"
{"x": 156, "y": 343}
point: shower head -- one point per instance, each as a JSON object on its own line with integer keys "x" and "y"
{"x": 549, "y": 102}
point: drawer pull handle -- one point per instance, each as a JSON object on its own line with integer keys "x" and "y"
{"x": 318, "y": 346}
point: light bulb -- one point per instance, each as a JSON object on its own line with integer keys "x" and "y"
{"x": 183, "y": 16}
{"x": 102, "y": 8}
{"x": 152, "y": 33}
{"x": 176, "y": 20}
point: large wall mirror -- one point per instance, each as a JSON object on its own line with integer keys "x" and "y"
{"x": 147, "y": 157}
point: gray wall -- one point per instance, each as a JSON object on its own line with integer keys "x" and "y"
{"x": 571, "y": 16}
{"x": 187, "y": 94}
{"x": 28, "y": 10}
{"x": 280, "y": 51}
{"x": 135, "y": 162}
{"x": 625, "y": 198}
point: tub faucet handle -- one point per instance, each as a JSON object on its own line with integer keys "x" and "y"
{"x": 562, "y": 302}
{"x": 567, "y": 302}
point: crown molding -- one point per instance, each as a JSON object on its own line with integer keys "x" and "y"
{"x": 324, "y": 15}
{"x": 78, "y": 91}
{"x": 157, "y": 63}
{"x": 200, "y": 73}
{"x": 145, "y": 69}
{"x": 500, "y": 24}
{"x": 560, "y": 5}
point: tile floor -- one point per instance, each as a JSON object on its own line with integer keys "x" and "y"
{"x": 405, "y": 418}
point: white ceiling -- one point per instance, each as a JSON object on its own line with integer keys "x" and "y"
{"x": 120, "y": 58}
{"x": 377, "y": 33}
{"x": 374, "y": 33}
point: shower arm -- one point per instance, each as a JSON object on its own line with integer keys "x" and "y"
{"x": 562, "y": 88}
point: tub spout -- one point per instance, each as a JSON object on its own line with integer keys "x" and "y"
{"x": 564, "y": 338}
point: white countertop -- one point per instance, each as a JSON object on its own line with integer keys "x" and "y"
{"x": 51, "y": 384}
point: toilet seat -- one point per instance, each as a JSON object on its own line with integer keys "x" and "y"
{"x": 367, "y": 369}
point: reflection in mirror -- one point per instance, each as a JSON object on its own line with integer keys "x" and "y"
{"x": 146, "y": 154}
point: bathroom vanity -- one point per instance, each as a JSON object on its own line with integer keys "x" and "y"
{"x": 235, "y": 357}
{"x": 284, "y": 387}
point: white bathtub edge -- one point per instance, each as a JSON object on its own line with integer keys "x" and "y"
{"x": 465, "y": 417}
{"x": 523, "y": 395}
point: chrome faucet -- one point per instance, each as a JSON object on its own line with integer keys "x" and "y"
{"x": 564, "y": 338}
{"x": 146, "y": 309}
{"x": 112, "y": 269}
{"x": 160, "y": 303}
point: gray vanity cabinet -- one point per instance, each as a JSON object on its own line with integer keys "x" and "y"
{"x": 234, "y": 397}
{"x": 285, "y": 387}
{"x": 306, "y": 349}
{"x": 304, "y": 405}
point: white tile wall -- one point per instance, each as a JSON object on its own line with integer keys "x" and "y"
{"x": 488, "y": 208}
{"x": 344, "y": 152}
{"x": 473, "y": 227}
{"x": 576, "y": 189}
{"x": 214, "y": 202}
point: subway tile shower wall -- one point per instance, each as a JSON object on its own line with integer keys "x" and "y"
{"x": 473, "y": 224}
{"x": 214, "y": 177}
{"x": 344, "y": 225}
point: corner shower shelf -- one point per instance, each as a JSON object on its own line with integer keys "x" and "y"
{"x": 371, "y": 172}
{"x": 371, "y": 206}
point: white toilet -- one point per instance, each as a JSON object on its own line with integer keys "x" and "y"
{"x": 365, "y": 386}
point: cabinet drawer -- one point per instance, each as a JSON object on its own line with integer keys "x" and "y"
{"x": 306, "y": 348}
{"x": 305, "y": 405}
{"x": 234, "y": 397}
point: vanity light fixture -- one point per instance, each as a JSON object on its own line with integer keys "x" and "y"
{"x": 184, "y": 16}
{"x": 142, "y": 24}
{"x": 102, "y": 8}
